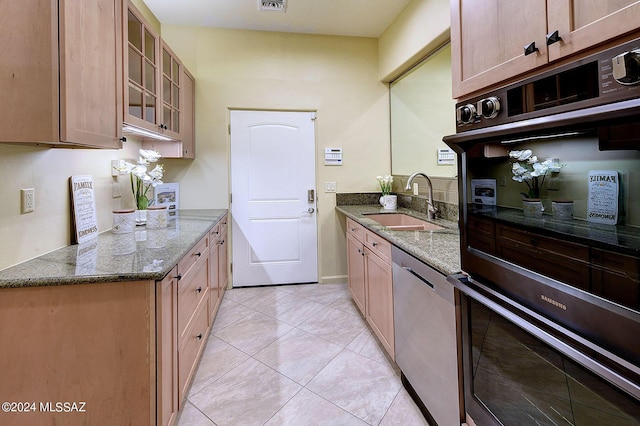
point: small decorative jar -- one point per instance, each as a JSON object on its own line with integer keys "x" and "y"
{"x": 532, "y": 207}
{"x": 124, "y": 221}
{"x": 156, "y": 217}
{"x": 389, "y": 202}
{"x": 562, "y": 209}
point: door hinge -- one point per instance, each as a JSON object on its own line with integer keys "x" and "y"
{"x": 313, "y": 116}
{"x": 231, "y": 267}
{"x": 230, "y": 198}
{"x": 229, "y": 127}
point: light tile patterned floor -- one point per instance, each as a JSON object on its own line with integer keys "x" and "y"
{"x": 295, "y": 355}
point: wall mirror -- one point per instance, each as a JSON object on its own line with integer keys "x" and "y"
{"x": 422, "y": 112}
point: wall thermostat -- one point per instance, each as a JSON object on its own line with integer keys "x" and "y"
{"x": 446, "y": 156}
{"x": 333, "y": 156}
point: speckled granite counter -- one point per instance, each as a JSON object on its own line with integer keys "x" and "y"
{"x": 141, "y": 255}
{"x": 438, "y": 249}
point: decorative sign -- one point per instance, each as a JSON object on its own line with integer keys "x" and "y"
{"x": 168, "y": 194}
{"x": 604, "y": 189}
{"x": 83, "y": 208}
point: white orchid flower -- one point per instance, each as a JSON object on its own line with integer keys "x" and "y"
{"x": 522, "y": 155}
{"x": 539, "y": 170}
{"x": 533, "y": 159}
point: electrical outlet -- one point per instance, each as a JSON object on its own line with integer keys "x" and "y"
{"x": 28, "y": 197}
{"x": 330, "y": 187}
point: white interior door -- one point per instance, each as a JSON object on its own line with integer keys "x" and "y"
{"x": 273, "y": 208}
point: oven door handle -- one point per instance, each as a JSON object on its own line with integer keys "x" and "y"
{"x": 487, "y": 297}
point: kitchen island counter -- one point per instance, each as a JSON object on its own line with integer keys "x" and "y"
{"x": 439, "y": 249}
{"x": 146, "y": 254}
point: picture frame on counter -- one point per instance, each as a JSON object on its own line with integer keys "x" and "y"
{"x": 168, "y": 194}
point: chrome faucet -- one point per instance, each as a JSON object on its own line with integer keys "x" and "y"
{"x": 431, "y": 210}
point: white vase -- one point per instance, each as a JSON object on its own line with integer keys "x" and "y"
{"x": 141, "y": 217}
{"x": 389, "y": 202}
{"x": 532, "y": 207}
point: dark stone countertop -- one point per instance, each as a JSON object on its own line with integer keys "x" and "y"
{"x": 439, "y": 249}
{"x": 146, "y": 254}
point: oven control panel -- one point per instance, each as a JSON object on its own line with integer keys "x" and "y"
{"x": 606, "y": 77}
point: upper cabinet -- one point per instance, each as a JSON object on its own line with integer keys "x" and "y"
{"x": 501, "y": 39}
{"x": 142, "y": 68}
{"x": 61, "y": 80}
{"x": 158, "y": 94}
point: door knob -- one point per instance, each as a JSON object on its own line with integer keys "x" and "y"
{"x": 310, "y": 210}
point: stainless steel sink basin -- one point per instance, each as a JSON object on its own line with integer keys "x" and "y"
{"x": 403, "y": 222}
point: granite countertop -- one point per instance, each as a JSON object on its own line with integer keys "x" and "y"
{"x": 439, "y": 249}
{"x": 146, "y": 254}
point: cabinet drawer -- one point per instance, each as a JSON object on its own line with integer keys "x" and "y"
{"x": 542, "y": 245}
{"x": 197, "y": 252}
{"x": 214, "y": 234}
{"x": 476, "y": 225}
{"x": 378, "y": 245}
{"x": 355, "y": 229}
{"x": 189, "y": 349}
{"x": 191, "y": 291}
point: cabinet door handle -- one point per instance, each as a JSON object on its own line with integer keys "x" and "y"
{"x": 375, "y": 244}
{"x": 199, "y": 336}
{"x": 198, "y": 254}
{"x": 221, "y": 242}
{"x": 199, "y": 290}
{"x": 179, "y": 277}
{"x": 553, "y": 37}
{"x": 530, "y": 48}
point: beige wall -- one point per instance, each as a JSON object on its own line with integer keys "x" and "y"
{"x": 29, "y": 235}
{"x": 335, "y": 76}
{"x": 421, "y": 27}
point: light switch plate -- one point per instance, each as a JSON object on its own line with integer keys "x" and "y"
{"x": 330, "y": 187}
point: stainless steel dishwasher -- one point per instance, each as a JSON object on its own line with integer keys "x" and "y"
{"x": 425, "y": 338}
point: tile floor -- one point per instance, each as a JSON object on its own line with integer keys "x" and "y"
{"x": 295, "y": 355}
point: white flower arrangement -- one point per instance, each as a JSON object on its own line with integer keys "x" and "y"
{"x": 526, "y": 168}
{"x": 142, "y": 178}
{"x": 385, "y": 184}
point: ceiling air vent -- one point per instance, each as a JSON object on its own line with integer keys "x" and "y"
{"x": 272, "y": 5}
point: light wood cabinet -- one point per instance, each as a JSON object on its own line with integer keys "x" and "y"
{"x": 371, "y": 281}
{"x": 167, "y": 348}
{"x": 142, "y": 72}
{"x": 93, "y": 344}
{"x": 488, "y": 40}
{"x": 357, "y": 283}
{"x": 218, "y": 266}
{"x": 62, "y": 76}
{"x": 188, "y": 115}
{"x": 379, "y": 298}
{"x": 170, "y": 80}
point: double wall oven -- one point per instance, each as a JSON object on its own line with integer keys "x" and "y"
{"x": 550, "y": 304}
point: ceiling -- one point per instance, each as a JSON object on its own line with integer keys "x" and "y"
{"x": 358, "y": 18}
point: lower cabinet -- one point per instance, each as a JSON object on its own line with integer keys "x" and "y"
{"x": 167, "y": 348}
{"x": 121, "y": 352}
{"x": 218, "y": 276}
{"x": 371, "y": 281}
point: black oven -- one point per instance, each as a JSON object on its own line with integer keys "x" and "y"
{"x": 550, "y": 297}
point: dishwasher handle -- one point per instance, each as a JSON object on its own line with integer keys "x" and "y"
{"x": 418, "y": 276}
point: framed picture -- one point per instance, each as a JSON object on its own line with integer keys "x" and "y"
{"x": 483, "y": 191}
{"x": 168, "y": 194}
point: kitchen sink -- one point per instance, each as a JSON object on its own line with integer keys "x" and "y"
{"x": 403, "y": 222}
